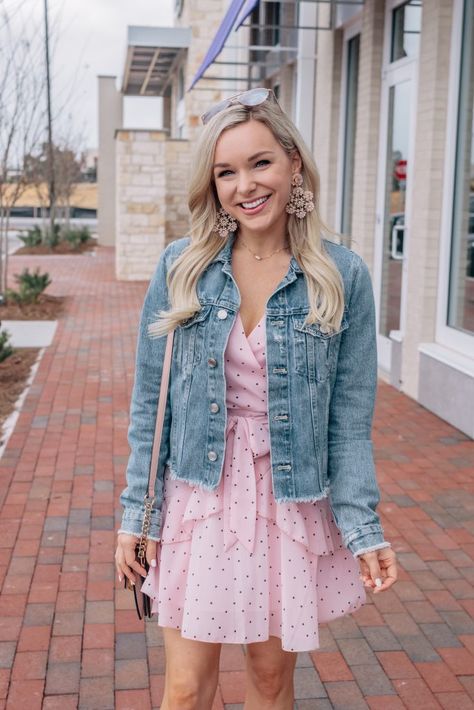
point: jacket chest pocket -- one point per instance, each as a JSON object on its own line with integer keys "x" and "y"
{"x": 315, "y": 351}
{"x": 191, "y": 339}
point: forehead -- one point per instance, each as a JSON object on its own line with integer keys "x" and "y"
{"x": 244, "y": 140}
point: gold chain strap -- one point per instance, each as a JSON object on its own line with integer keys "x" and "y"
{"x": 142, "y": 543}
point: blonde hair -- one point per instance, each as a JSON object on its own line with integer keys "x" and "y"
{"x": 324, "y": 283}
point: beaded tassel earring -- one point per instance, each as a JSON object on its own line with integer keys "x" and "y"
{"x": 301, "y": 201}
{"x": 225, "y": 224}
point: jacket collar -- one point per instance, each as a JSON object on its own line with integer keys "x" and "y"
{"x": 225, "y": 253}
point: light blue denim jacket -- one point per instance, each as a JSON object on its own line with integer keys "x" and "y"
{"x": 321, "y": 392}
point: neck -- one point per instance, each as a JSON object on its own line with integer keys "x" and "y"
{"x": 262, "y": 242}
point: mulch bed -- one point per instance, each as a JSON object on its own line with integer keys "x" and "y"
{"x": 46, "y": 308}
{"x": 14, "y": 372}
{"x": 61, "y": 248}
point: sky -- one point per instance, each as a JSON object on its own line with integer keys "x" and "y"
{"x": 89, "y": 38}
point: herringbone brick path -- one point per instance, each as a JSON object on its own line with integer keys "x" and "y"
{"x": 68, "y": 633}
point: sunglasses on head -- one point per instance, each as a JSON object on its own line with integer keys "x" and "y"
{"x": 252, "y": 97}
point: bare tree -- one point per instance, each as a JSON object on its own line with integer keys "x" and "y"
{"x": 67, "y": 168}
{"x": 21, "y": 123}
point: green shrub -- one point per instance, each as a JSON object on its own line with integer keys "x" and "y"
{"x": 5, "y": 348}
{"x": 76, "y": 236}
{"x": 30, "y": 286}
{"x": 33, "y": 237}
{"x": 52, "y": 238}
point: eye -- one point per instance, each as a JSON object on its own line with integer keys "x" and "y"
{"x": 223, "y": 173}
{"x": 262, "y": 162}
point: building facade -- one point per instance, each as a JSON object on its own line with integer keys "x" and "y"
{"x": 383, "y": 93}
{"x": 393, "y": 128}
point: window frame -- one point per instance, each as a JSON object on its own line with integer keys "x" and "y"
{"x": 448, "y": 335}
{"x": 350, "y": 31}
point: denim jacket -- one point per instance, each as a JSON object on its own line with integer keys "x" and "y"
{"x": 321, "y": 392}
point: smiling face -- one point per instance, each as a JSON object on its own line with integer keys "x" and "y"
{"x": 252, "y": 174}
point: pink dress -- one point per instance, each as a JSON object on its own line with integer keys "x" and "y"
{"x": 235, "y": 566}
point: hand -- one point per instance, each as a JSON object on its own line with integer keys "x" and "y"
{"x": 125, "y": 560}
{"x": 378, "y": 569}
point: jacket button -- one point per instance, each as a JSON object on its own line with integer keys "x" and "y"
{"x": 211, "y": 455}
{"x": 211, "y": 361}
{"x": 214, "y": 407}
{"x": 222, "y": 313}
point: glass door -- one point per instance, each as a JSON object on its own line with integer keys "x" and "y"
{"x": 394, "y": 222}
{"x": 398, "y": 115}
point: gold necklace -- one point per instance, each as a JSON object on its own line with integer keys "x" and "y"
{"x": 260, "y": 258}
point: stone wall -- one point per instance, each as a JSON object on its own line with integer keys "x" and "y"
{"x": 177, "y": 173}
{"x": 205, "y": 17}
{"x": 140, "y": 202}
{"x": 151, "y": 206}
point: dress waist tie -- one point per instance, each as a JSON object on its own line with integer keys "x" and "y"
{"x": 247, "y": 439}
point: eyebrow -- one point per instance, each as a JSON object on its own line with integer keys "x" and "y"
{"x": 252, "y": 157}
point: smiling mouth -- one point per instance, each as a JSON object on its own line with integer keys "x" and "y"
{"x": 255, "y": 203}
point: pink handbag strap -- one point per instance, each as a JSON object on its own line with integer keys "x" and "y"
{"x": 160, "y": 415}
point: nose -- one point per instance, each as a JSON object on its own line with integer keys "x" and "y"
{"x": 246, "y": 183}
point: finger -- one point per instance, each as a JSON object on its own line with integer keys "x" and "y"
{"x": 119, "y": 561}
{"x": 131, "y": 565}
{"x": 386, "y": 584}
{"x": 364, "y": 575}
{"x": 136, "y": 567}
{"x": 151, "y": 552}
{"x": 374, "y": 569}
{"x": 391, "y": 576}
{"x": 123, "y": 568}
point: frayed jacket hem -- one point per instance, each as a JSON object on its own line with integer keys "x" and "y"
{"x": 129, "y": 532}
{"x": 285, "y": 499}
{"x": 305, "y": 499}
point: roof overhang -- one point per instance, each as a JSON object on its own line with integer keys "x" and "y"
{"x": 152, "y": 55}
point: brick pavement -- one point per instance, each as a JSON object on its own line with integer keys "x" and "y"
{"x": 68, "y": 634}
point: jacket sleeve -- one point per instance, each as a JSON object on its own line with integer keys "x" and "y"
{"x": 143, "y": 408}
{"x": 353, "y": 490}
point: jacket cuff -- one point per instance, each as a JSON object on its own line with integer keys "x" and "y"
{"x": 365, "y": 539}
{"x": 132, "y": 519}
{"x": 372, "y": 548}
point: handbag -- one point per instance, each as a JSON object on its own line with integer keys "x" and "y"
{"x": 143, "y": 601}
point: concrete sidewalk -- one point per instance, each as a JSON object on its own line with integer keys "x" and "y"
{"x": 69, "y": 636}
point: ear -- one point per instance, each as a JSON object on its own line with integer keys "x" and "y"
{"x": 296, "y": 162}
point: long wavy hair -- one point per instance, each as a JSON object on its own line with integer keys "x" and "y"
{"x": 324, "y": 283}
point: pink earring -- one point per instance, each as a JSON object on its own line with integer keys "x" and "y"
{"x": 301, "y": 201}
{"x": 225, "y": 224}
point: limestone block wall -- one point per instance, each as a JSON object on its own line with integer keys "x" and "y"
{"x": 204, "y": 17}
{"x": 140, "y": 202}
{"x": 176, "y": 200}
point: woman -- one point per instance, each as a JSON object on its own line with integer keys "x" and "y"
{"x": 266, "y": 511}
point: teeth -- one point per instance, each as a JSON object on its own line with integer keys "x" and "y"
{"x": 251, "y": 205}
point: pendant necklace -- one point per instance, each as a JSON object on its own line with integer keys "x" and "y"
{"x": 260, "y": 258}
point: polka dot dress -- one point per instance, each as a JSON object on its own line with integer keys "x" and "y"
{"x": 235, "y": 566}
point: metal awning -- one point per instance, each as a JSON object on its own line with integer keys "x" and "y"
{"x": 239, "y": 11}
{"x": 152, "y": 54}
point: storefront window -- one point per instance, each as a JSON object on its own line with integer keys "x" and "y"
{"x": 406, "y": 30}
{"x": 461, "y": 278}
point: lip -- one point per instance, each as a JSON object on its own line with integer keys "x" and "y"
{"x": 259, "y": 208}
